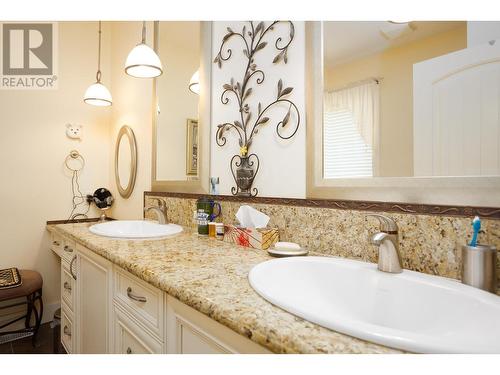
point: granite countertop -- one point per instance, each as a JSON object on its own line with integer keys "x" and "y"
{"x": 212, "y": 277}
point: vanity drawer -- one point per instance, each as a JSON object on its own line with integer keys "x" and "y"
{"x": 68, "y": 250}
{"x": 143, "y": 301}
{"x": 132, "y": 339}
{"x": 67, "y": 332}
{"x": 56, "y": 244}
{"x": 67, "y": 288}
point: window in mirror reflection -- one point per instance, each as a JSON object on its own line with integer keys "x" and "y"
{"x": 177, "y": 132}
{"x": 398, "y": 104}
{"x": 350, "y": 118}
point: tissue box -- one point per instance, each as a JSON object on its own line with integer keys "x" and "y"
{"x": 256, "y": 238}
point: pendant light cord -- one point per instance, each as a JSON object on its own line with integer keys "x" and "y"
{"x": 143, "y": 32}
{"x": 98, "y": 74}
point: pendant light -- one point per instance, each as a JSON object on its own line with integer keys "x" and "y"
{"x": 194, "y": 83}
{"x": 142, "y": 61}
{"x": 97, "y": 94}
{"x": 393, "y": 30}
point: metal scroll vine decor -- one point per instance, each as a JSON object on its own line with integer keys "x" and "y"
{"x": 244, "y": 166}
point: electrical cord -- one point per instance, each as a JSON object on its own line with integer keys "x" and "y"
{"x": 78, "y": 198}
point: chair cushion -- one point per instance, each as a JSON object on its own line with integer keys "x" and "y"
{"x": 32, "y": 281}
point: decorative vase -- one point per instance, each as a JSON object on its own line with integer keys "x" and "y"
{"x": 244, "y": 170}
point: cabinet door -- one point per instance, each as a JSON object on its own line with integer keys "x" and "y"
{"x": 93, "y": 306}
{"x": 191, "y": 332}
{"x": 191, "y": 340}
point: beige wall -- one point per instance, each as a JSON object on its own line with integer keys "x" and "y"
{"x": 132, "y": 106}
{"x": 395, "y": 65}
{"x": 34, "y": 185}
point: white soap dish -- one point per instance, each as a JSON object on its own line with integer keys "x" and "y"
{"x": 287, "y": 252}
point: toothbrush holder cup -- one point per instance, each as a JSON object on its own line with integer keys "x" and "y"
{"x": 479, "y": 267}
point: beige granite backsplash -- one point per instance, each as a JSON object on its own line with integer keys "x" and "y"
{"x": 429, "y": 244}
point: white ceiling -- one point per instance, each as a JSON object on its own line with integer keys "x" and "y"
{"x": 345, "y": 41}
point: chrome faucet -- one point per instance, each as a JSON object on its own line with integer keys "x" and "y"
{"x": 389, "y": 259}
{"x": 160, "y": 210}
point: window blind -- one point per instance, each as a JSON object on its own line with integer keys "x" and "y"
{"x": 345, "y": 153}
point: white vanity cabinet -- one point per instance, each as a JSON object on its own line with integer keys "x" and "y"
{"x": 86, "y": 297}
{"x": 106, "y": 309}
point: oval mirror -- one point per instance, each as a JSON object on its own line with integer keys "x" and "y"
{"x": 125, "y": 161}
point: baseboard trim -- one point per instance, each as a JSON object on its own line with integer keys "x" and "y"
{"x": 49, "y": 310}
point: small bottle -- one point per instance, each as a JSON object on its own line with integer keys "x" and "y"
{"x": 211, "y": 229}
{"x": 219, "y": 231}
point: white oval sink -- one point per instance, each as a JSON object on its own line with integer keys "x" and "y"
{"x": 411, "y": 311}
{"x": 134, "y": 229}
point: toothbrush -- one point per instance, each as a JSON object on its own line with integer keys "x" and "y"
{"x": 476, "y": 226}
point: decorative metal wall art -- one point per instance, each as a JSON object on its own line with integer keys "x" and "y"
{"x": 244, "y": 166}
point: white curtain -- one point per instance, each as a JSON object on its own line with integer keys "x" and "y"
{"x": 363, "y": 102}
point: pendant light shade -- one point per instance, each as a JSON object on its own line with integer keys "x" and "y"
{"x": 142, "y": 61}
{"x": 97, "y": 94}
{"x": 194, "y": 83}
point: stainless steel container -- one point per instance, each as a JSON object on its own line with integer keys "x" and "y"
{"x": 479, "y": 267}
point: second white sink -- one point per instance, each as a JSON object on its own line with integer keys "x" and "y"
{"x": 412, "y": 311}
{"x": 135, "y": 229}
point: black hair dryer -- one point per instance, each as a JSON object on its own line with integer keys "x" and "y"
{"x": 103, "y": 199}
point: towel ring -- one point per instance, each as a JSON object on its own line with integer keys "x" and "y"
{"x": 74, "y": 155}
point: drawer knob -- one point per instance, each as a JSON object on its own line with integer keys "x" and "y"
{"x": 68, "y": 249}
{"x": 129, "y": 351}
{"x": 67, "y": 331}
{"x": 67, "y": 286}
{"x": 134, "y": 297}
{"x": 55, "y": 243}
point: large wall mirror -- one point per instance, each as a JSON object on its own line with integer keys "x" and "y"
{"x": 181, "y": 112}
{"x": 402, "y": 111}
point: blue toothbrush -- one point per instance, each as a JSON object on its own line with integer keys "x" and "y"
{"x": 476, "y": 226}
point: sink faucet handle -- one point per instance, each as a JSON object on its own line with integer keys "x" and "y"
{"x": 161, "y": 203}
{"x": 387, "y": 224}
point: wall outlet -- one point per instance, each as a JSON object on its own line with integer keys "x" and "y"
{"x": 74, "y": 131}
